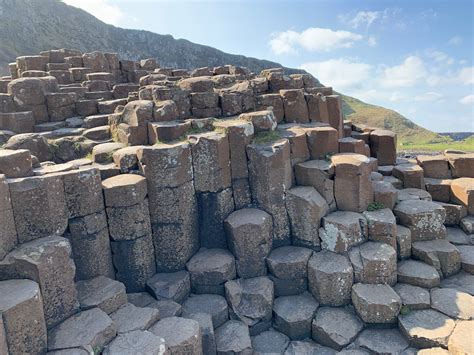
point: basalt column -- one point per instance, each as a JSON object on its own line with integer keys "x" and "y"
{"x": 130, "y": 229}
{"x": 172, "y": 203}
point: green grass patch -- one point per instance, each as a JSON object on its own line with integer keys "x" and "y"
{"x": 265, "y": 137}
{"x": 375, "y": 206}
{"x": 465, "y": 145}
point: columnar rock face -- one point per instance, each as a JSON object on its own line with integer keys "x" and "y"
{"x": 352, "y": 187}
{"x": 249, "y": 237}
{"x": 22, "y": 323}
{"x": 130, "y": 229}
{"x": 48, "y": 262}
{"x": 172, "y": 203}
{"x": 238, "y": 210}
{"x": 8, "y": 237}
{"x": 270, "y": 176}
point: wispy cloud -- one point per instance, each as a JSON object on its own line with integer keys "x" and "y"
{"x": 102, "y": 9}
{"x": 407, "y": 74}
{"x": 467, "y": 100}
{"x": 312, "y": 39}
{"x": 466, "y": 75}
{"x": 364, "y": 19}
{"x": 429, "y": 97}
{"x": 454, "y": 41}
{"x": 342, "y": 73}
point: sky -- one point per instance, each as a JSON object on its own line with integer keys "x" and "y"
{"x": 415, "y": 57}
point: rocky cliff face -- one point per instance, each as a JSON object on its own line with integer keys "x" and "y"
{"x": 31, "y": 26}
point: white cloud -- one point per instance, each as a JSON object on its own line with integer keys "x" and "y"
{"x": 364, "y": 19}
{"x": 439, "y": 56}
{"x": 342, "y": 74}
{"x": 456, "y": 40}
{"x": 407, "y": 74}
{"x": 312, "y": 39}
{"x": 429, "y": 97}
{"x": 467, "y": 100}
{"x": 466, "y": 75}
{"x": 102, "y": 9}
{"x": 372, "y": 41}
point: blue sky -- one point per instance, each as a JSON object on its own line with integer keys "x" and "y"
{"x": 415, "y": 57}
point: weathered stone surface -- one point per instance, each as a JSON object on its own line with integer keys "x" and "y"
{"x": 426, "y": 328}
{"x": 352, "y": 186}
{"x": 134, "y": 261}
{"x": 91, "y": 329}
{"x": 417, "y": 273}
{"x": 454, "y": 213}
{"x": 318, "y": 174}
{"x": 462, "y": 281}
{"x": 289, "y": 262}
{"x": 48, "y": 262}
{"x": 305, "y": 208}
{"x": 374, "y": 263}
{"x": 214, "y": 305}
{"x": 439, "y": 189}
{"x": 270, "y": 342}
{"x": 211, "y": 267}
{"x": 8, "y": 237}
{"x": 424, "y": 218}
{"x": 457, "y": 237}
{"x": 382, "y": 341}
{"x": 403, "y": 242}
{"x": 15, "y": 163}
{"x": 294, "y": 103}
{"x": 89, "y": 238}
{"x": 129, "y": 318}
{"x": 413, "y": 297}
{"x": 39, "y": 206}
{"x": 293, "y": 315}
{"x": 211, "y": 161}
{"x": 434, "y": 166}
{"x": 335, "y": 327}
{"x": 103, "y": 153}
{"x": 22, "y": 324}
{"x": 175, "y": 285}
{"x": 460, "y": 341}
{"x": 270, "y": 175}
{"x": 413, "y": 194}
{"x": 233, "y": 338}
{"x": 467, "y": 224}
{"x": 322, "y": 142}
{"x": 288, "y": 287}
{"x": 82, "y": 189}
{"x": 207, "y": 332}
{"x": 129, "y": 223}
{"x": 462, "y": 192}
{"x": 187, "y": 340}
{"x": 438, "y": 253}
{"x": 249, "y": 237}
{"x": 217, "y": 207}
{"x": 342, "y": 230}
{"x": 251, "y": 300}
{"x": 101, "y": 292}
{"x": 461, "y": 165}
{"x": 124, "y": 190}
{"x": 137, "y": 341}
{"x": 167, "y": 308}
{"x": 467, "y": 257}
{"x": 376, "y": 303}
{"x": 262, "y": 121}
{"x": 382, "y": 226}
{"x": 453, "y": 303}
{"x": 385, "y": 193}
{"x": 330, "y": 278}
{"x": 410, "y": 174}
{"x": 308, "y": 347}
{"x": 383, "y": 146}
{"x": 296, "y": 135}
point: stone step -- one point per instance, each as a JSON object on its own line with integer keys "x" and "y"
{"x": 91, "y": 329}
{"x": 378, "y": 304}
{"x": 101, "y": 292}
{"x": 233, "y": 338}
{"x": 174, "y": 286}
{"x": 130, "y": 318}
{"x": 214, "y": 305}
{"x": 417, "y": 273}
{"x": 188, "y": 340}
{"x": 270, "y": 341}
{"x": 137, "y": 341}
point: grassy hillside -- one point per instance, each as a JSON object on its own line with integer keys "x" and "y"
{"x": 411, "y": 137}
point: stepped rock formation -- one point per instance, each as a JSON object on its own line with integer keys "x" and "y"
{"x": 145, "y": 209}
